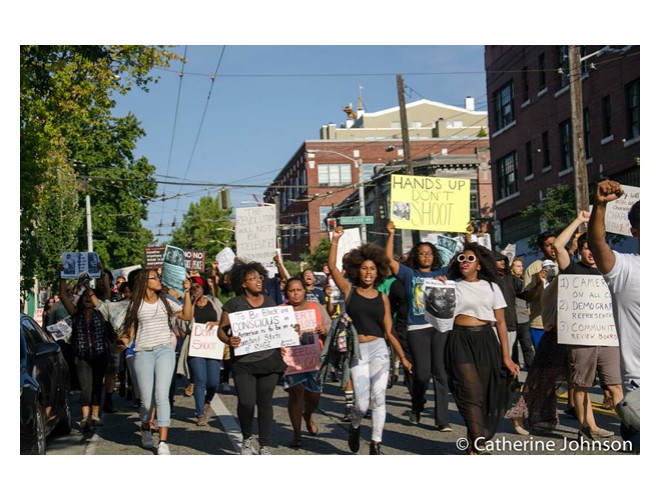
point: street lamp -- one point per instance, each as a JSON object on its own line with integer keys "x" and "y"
{"x": 358, "y": 165}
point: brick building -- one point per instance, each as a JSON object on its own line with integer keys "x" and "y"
{"x": 529, "y": 112}
{"x": 324, "y": 172}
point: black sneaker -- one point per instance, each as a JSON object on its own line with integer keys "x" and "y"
{"x": 354, "y": 439}
{"x": 374, "y": 449}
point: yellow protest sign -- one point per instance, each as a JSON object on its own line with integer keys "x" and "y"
{"x": 430, "y": 203}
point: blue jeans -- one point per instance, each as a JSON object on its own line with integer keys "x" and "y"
{"x": 154, "y": 370}
{"x": 206, "y": 373}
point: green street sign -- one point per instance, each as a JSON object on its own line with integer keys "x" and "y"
{"x": 347, "y": 221}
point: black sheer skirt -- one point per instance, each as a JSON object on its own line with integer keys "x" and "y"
{"x": 478, "y": 380}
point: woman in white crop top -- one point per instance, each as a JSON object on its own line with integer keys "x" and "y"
{"x": 477, "y": 365}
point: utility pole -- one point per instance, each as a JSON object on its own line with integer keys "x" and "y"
{"x": 577, "y": 130}
{"x": 404, "y": 125}
{"x": 88, "y": 205}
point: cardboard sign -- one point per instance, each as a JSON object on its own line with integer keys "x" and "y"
{"x": 204, "y": 342}
{"x": 153, "y": 257}
{"x": 77, "y": 263}
{"x": 431, "y": 203}
{"x": 616, "y": 212}
{"x": 303, "y": 358}
{"x": 256, "y": 234}
{"x": 225, "y": 259}
{"x": 348, "y": 241}
{"x": 262, "y": 329}
{"x": 174, "y": 271}
{"x": 584, "y": 311}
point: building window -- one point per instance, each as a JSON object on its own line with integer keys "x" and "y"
{"x": 323, "y": 213}
{"x": 525, "y": 84}
{"x": 545, "y": 141}
{"x": 566, "y": 145}
{"x": 606, "y": 106}
{"x": 586, "y": 122}
{"x": 529, "y": 164}
{"x": 303, "y": 182}
{"x": 507, "y": 175}
{"x": 542, "y": 81}
{"x": 632, "y": 110}
{"x": 368, "y": 170}
{"x": 562, "y": 64}
{"x": 334, "y": 174}
{"x": 503, "y": 105}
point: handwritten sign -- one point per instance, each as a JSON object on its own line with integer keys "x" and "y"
{"x": 204, "y": 342}
{"x": 584, "y": 311}
{"x": 302, "y": 358}
{"x": 616, "y": 213}
{"x": 256, "y": 238}
{"x": 225, "y": 260}
{"x": 431, "y": 203}
{"x": 307, "y": 320}
{"x": 262, "y": 329}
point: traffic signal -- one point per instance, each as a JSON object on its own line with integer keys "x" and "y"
{"x": 225, "y": 200}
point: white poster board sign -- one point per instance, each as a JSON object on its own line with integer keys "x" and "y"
{"x": 584, "y": 311}
{"x": 256, "y": 234}
{"x": 349, "y": 240}
{"x": 225, "y": 259}
{"x": 440, "y": 302}
{"x": 77, "y": 263}
{"x": 204, "y": 342}
{"x": 616, "y": 213}
{"x": 262, "y": 329}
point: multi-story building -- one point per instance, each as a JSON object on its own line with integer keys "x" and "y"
{"x": 324, "y": 172}
{"x": 529, "y": 109}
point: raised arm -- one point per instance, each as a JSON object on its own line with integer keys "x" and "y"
{"x": 341, "y": 282}
{"x": 563, "y": 257}
{"x": 280, "y": 267}
{"x": 389, "y": 248}
{"x": 64, "y": 297}
{"x": 606, "y": 191}
{"x": 186, "y": 313}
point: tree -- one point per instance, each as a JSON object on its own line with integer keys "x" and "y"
{"x": 554, "y": 212}
{"x": 319, "y": 256}
{"x": 66, "y": 99}
{"x": 205, "y": 227}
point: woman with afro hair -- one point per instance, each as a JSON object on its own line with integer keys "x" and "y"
{"x": 366, "y": 267}
{"x": 477, "y": 365}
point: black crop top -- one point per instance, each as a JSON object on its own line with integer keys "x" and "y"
{"x": 367, "y": 314}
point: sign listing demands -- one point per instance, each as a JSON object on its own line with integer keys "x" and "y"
{"x": 256, "y": 238}
{"x": 430, "y": 203}
{"x": 262, "y": 329}
{"x": 153, "y": 257}
{"x": 616, "y": 213}
{"x": 204, "y": 342}
{"x": 584, "y": 311}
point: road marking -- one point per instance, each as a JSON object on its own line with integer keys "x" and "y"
{"x": 228, "y": 423}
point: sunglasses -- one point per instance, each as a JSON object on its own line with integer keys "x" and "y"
{"x": 463, "y": 258}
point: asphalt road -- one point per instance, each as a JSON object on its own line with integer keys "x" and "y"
{"x": 119, "y": 434}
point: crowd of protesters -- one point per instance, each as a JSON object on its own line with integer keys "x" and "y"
{"x": 370, "y": 320}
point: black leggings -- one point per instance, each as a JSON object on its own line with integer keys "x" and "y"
{"x": 255, "y": 390}
{"x": 90, "y": 374}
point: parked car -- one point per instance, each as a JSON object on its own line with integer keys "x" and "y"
{"x": 45, "y": 406}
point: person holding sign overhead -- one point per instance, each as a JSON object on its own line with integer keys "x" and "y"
{"x": 149, "y": 322}
{"x": 366, "y": 268}
{"x": 426, "y": 343}
{"x": 255, "y": 374}
{"x": 304, "y": 391}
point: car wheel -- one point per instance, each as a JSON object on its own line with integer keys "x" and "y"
{"x": 39, "y": 435}
{"x": 63, "y": 427}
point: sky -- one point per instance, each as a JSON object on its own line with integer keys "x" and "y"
{"x": 266, "y": 100}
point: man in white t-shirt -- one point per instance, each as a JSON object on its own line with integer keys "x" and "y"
{"x": 622, "y": 274}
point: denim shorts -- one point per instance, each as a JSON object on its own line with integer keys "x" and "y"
{"x": 307, "y": 379}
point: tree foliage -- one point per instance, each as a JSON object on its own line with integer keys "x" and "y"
{"x": 205, "y": 227}
{"x": 66, "y": 102}
{"x": 319, "y": 255}
{"x": 555, "y": 211}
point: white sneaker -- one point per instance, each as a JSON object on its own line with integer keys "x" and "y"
{"x": 248, "y": 447}
{"x": 265, "y": 450}
{"x": 147, "y": 440}
{"x": 163, "y": 448}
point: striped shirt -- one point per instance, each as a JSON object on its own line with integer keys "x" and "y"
{"x": 153, "y": 324}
